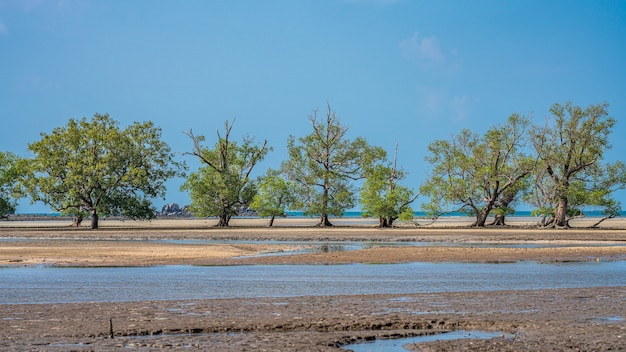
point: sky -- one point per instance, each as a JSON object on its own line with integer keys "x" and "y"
{"x": 405, "y": 71}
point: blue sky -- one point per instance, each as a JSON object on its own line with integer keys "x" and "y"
{"x": 393, "y": 70}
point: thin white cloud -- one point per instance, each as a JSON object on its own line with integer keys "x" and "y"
{"x": 4, "y": 30}
{"x": 423, "y": 49}
{"x": 460, "y": 107}
{"x": 439, "y": 103}
{"x": 431, "y": 99}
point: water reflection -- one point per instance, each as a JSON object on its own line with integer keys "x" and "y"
{"x": 56, "y": 285}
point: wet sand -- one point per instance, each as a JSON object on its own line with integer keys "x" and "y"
{"x": 83, "y": 253}
{"x": 585, "y": 319}
{"x": 540, "y": 320}
{"x": 119, "y": 243}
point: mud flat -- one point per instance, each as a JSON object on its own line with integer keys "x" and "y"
{"x": 572, "y": 319}
{"x": 539, "y": 320}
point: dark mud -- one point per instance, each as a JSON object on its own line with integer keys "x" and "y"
{"x": 547, "y": 320}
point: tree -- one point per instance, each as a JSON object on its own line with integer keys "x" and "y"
{"x": 472, "y": 173}
{"x": 9, "y": 183}
{"x": 571, "y": 147}
{"x": 324, "y": 163}
{"x": 383, "y": 197}
{"x": 223, "y": 186}
{"x": 94, "y": 167}
{"x": 504, "y": 205}
{"x": 541, "y": 194}
{"x": 274, "y": 195}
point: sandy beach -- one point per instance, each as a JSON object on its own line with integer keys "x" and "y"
{"x": 575, "y": 319}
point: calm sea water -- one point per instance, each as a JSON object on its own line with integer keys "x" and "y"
{"x": 57, "y": 285}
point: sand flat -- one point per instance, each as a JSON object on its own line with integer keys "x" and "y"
{"x": 128, "y": 243}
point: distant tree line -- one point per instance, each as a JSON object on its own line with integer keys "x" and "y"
{"x": 93, "y": 168}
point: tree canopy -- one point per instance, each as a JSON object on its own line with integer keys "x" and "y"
{"x": 94, "y": 167}
{"x": 9, "y": 183}
{"x": 222, "y": 186}
{"x": 324, "y": 163}
{"x": 383, "y": 197}
{"x": 571, "y": 147}
{"x": 472, "y": 173}
{"x": 274, "y": 196}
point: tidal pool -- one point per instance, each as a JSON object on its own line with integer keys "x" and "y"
{"x": 114, "y": 284}
{"x": 397, "y": 345}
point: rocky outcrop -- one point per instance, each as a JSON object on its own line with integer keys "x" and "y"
{"x": 174, "y": 210}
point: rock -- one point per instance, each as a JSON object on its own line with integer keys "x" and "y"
{"x": 174, "y": 210}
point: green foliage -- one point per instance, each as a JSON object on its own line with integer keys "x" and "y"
{"x": 223, "y": 185}
{"x": 571, "y": 176}
{"x": 274, "y": 195}
{"x": 509, "y": 197}
{"x": 10, "y": 174}
{"x": 383, "y": 197}
{"x": 324, "y": 163}
{"x": 472, "y": 173}
{"x": 92, "y": 166}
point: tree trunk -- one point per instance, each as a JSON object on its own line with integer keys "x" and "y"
{"x": 385, "y": 221}
{"x": 561, "y": 213}
{"x": 78, "y": 219}
{"x": 499, "y": 220}
{"x": 224, "y": 219}
{"x": 271, "y": 223}
{"x": 324, "y": 222}
{"x": 481, "y": 217}
{"x": 548, "y": 221}
{"x": 94, "y": 219}
{"x": 601, "y": 221}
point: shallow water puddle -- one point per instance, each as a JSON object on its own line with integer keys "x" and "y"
{"x": 306, "y": 249}
{"x": 613, "y": 319}
{"x": 397, "y": 345}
